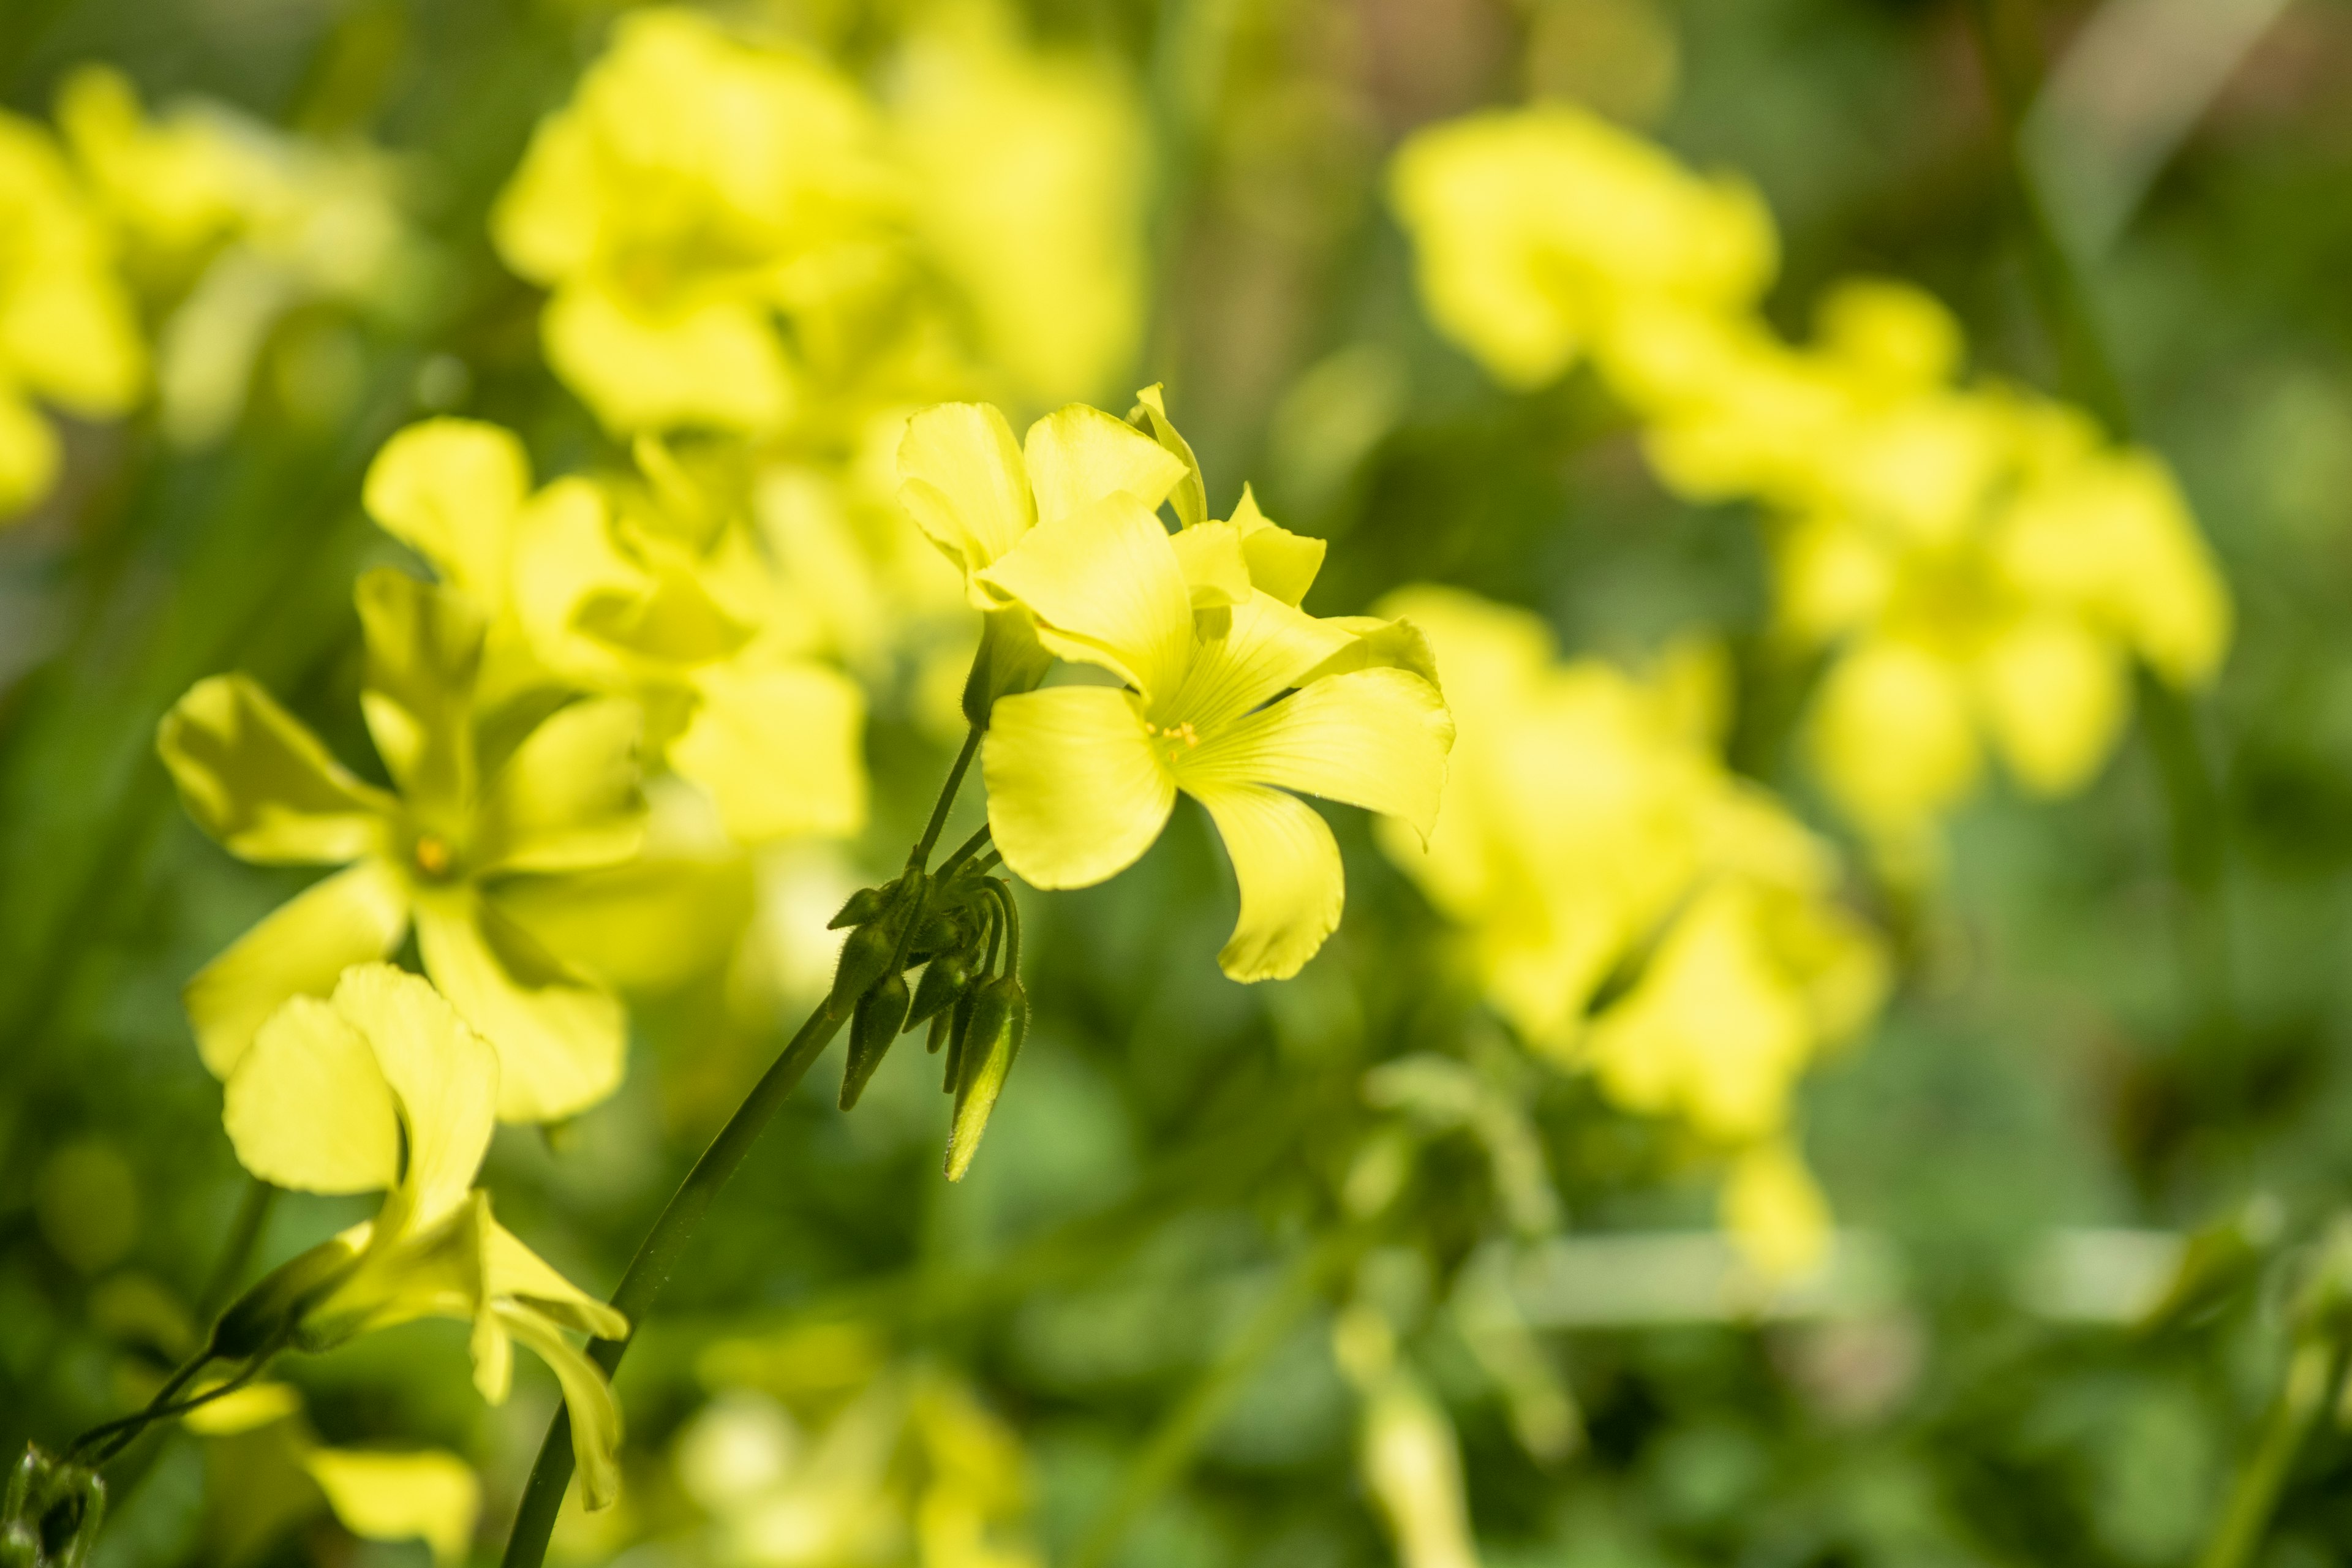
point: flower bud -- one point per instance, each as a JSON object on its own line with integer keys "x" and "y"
{"x": 267, "y": 1315}
{"x": 1010, "y": 660}
{"x": 1000, "y": 1019}
{"x": 881, "y": 1014}
{"x": 945, "y": 978}
{"x": 940, "y": 931}
{"x": 51, "y": 1514}
{"x": 864, "y": 905}
{"x": 871, "y": 952}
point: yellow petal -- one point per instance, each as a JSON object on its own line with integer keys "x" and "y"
{"x": 1891, "y": 736}
{"x": 1373, "y": 738}
{"x": 1075, "y": 791}
{"x": 1190, "y": 498}
{"x": 1078, "y": 455}
{"x": 250, "y": 1409}
{"x": 779, "y": 748}
{"x": 1377, "y": 643}
{"x": 1776, "y": 1213}
{"x": 1106, "y": 589}
{"x": 300, "y": 949}
{"x": 2055, "y": 697}
{"x": 560, "y": 1039}
{"x": 716, "y": 362}
{"x": 255, "y": 779}
{"x": 1264, "y": 648}
{"x": 1214, "y": 567}
{"x": 307, "y": 1108}
{"x": 962, "y": 480}
{"x": 427, "y": 1495}
{"x": 1281, "y": 562}
{"x": 29, "y": 456}
{"x": 568, "y": 571}
{"x": 567, "y": 799}
{"x": 596, "y": 1414}
{"x": 516, "y": 1271}
{"x": 423, "y": 651}
{"x": 450, "y": 489}
{"x": 443, "y": 1075}
{"x": 1291, "y": 882}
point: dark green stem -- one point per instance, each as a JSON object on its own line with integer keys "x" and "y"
{"x": 657, "y": 1259}
{"x": 940, "y": 809}
{"x": 244, "y": 1235}
{"x": 964, "y": 851}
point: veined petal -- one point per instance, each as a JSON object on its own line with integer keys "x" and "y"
{"x": 423, "y": 651}
{"x": 1373, "y": 738}
{"x": 1078, "y": 455}
{"x": 444, "y": 1075}
{"x": 516, "y": 1271}
{"x": 450, "y": 489}
{"x": 1281, "y": 562}
{"x": 567, "y": 800}
{"x": 258, "y": 782}
{"x": 1266, "y": 648}
{"x": 427, "y": 1495}
{"x": 560, "y": 1039}
{"x": 962, "y": 480}
{"x": 1190, "y": 497}
{"x": 1376, "y": 644}
{"x": 1075, "y": 791}
{"x": 1106, "y": 589}
{"x": 309, "y": 1109}
{"x": 1292, "y": 885}
{"x": 596, "y": 1414}
{"x": 300, "y": 949}
{"x": 779, "y": 747}
{"x": 1214, "y": 567}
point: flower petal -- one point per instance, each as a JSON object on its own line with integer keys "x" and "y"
{"x": 1075, "y": 791}
{"x": 1266, "y": 649}
{"x": 515, "y": 1270}
{"x": 596, "y": 1414}
{"x": 451, "y": 490}
{"x": 299, "y": 949}
{"x": 1891, "y": 736}
{"x": 567, "y": 799}
{"x": 427, "y": 1495}
{"x": 715, "y": 362}
{"x": 444, "y": 1075}
{"x": 1373, "y": 738}
{"x": 2055, "y": 697}
{"x": 568, "y": 576}
{"x": 779, "y": 746}
{"x": 560, "y": 1039}
{"x": 309, "y": 1109}
{"x": 1292, "y": 884}
{"x": 1190, "y": 498}
{"x": 30, "y": 455}
{"x": 1106, "y": 588}
{"x": 423, "y": 651}
{"x": 1281, "y": 562}
{"x": 1214, "y": 567}
{"x": 1076, "y": 456}
{"x": 962, "y": 480}
{"x": 255, "y": 779}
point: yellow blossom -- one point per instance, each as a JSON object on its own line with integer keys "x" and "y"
{"x": 468, "y": 819}
{"x": 68, "y": 335}
{"x": 383, "y": 1087}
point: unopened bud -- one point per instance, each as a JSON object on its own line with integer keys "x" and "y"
{"x": 1000, "y": 1019}
{"x": 871, "y": 951}
{"x": 945, "y": 978}
{"x": 267, "y": 1315}
{"x": 864, "y": 905}
{"x": 881, "y": 1014}
{"x": 51, "y": 1514}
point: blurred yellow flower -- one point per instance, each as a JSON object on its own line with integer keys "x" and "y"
{"x": 231, "y": 224}
{"x": 1227, "y": 692}
{"x": 1590, "y": 830}
{"x": 1409, "y": 1454}
{"x": 469, "y": 816}
{"x": 68, "y": 333}
{"x": 383, "y": 1087}
{"x": 655, "y": 590}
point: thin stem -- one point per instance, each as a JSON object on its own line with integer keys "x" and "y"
{"x": 244, "y": 1235}
{"x": 2314, "y": 1369}
{"x": 990, "y": 861}
{"x": 965, "y": 851}
{"x": 922, "y": 851}
{"x": 657, "y": 1259}
{"x": 151, "y": 1410}
{"x": 1003, "y": 896}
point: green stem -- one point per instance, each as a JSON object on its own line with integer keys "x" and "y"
{"x": 657, "y": 1259}
{"x": 939, "y": 808}
{"x": 1169, "y": 1450}
{"x": 965, "y": 851}
{"x": 244, "y": 1235}
{"x": 2315, "y": 1369}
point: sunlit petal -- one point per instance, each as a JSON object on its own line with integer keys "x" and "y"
{"x": 962, "y": 480}
{"x": 567, "y": 800}
{"x": 1076, "y": 456}
{"x": 444, "y": 1075}
{"x": 1292, "y": 885}
{"x": 1373, "y": 738}
{"x": 307, "y": 1108}
{"x": 450, "y": 489}
{"x": 779, "y": 746}
{"x": 1106, "y": 588}
{"x": 1074, "y": 790}
{"x": 560, "y": 1039}
{"x": 300, "y": 949}
{"x": 426, "y": 1495}
{"x": 254, "y": 778}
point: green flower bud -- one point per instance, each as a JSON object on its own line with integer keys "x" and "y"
{"x": 881, "y": 1014}
{"x": 946, "y": 977}
{"x": 268, "y": 1315}
{"x": 871, "y": 952}
{"x": 941, "y": 931}
{"x": 51, "y": 1514}
{"x": 866, "y": 904}
{"x": 1010, "y": 660}
{"x": 1000, "y": 1019}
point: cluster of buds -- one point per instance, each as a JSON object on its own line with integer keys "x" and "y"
{"x": 957, "y": 924}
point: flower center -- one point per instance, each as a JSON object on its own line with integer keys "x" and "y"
{"x": 432, "y": 856}
{"x": 1182, "y": 735}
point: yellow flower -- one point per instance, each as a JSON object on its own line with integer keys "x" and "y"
{"x": 1234, "y": 705}
{"x": 1540, "y": 233}
{"x": 695, "y": 189}
{"x": 383, "y": 1087}
{"x": 68, "y": 335}
{"x": 655, "y": 592}
{"x": 563, "y": 798}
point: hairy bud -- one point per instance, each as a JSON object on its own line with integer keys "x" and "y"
{"x": 1000, "y": 1019}
{"x": 881, "y": 1014}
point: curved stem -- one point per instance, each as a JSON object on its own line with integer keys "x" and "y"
{"x": 965, "y": 850}
{"x": 657, "y": 1259}
{"x": 922, "y": 850}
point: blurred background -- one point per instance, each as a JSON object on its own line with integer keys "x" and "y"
{"x": 2084, "y": 1167}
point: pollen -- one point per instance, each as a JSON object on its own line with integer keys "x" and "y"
{"x": 432, "y": 856}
